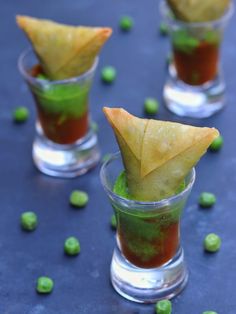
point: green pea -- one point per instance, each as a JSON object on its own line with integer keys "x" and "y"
{"x": 20, "y": 114}
{"x": 163, "y": 307}
{"x": 217, "y": 144}
{"x": 79, "y": 198}
{"x": 108, "y": 74}
{"x": 113, "y": 221}
{"x": 44, "y": 285}
{"x": 106, "y": 157}
{"x": 212, "y": 243}
{"x": 29, "y": 221}
{"x": 164, "y": 29}
{"x": 72, "y": 246}
{"x": 126, "y": 23}
{"x": 151, "y": 106}
{"x": 207, "y": 200}
{"x": 209, "y": 312}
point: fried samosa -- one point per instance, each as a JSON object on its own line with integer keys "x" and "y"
{"x": 63, "y": 51}
{"x": 198, "y": 10}
{"x": 157, "y": 155}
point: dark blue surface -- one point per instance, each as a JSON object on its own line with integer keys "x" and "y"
{"x": 82, "y": 283}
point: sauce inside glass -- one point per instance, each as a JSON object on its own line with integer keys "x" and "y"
{"x": 147, "y": 239}
{"x": 196, "y": 54}
{"x": 148, "y": 242}
{"x": 59, "y": 127}
{"x": 199, "y": 66}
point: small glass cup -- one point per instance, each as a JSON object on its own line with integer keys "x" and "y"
{"x": 65, "y": 145}
{"x": 195, "y": 86}
{"x": 148, "y": 261}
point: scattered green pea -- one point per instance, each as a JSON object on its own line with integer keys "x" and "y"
{"x": 212, "y": 243}
{"x": 163, "y": 307}
{"x": 72, "y": 246}
{"x": 113, "y": 221}
{"x": 126, "y": 23}
{"x": 209, "y": 312}
{"x": 206, "y": 200}
{"x": 106, "y": 157}
{"x": 108, "y": 74}
{"x": 163, "y": 29}
{"x": 79, "y": 198}
{"x": 29, "y": 221}
{"x": 94, "y": 126}
{"x": 151, "y": 106}
{"x": 217, "y": 144}
{"x": 44, "y": 285}
{"x": 21, "y": 114}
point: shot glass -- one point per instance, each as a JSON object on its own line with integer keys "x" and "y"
{"x": 65, "y": 145}
{"x": 195, "y": 86}
{"x": 148, "y": 261}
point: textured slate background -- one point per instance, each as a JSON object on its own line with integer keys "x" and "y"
{"x": 82, "y": 284}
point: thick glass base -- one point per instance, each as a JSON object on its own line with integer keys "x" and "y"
{"x": 66, "y": 161}
{"x": 193, "y": 101}
{"x": 148, "y": 285}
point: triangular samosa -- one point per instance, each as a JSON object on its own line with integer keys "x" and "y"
{"x": 64, "y": 51}
{"x": 157, "y": 155}
{"x": 198, "y": 10}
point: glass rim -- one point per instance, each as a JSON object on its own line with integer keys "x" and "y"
{"x": 25, "y": 53}
{"x": 164, "y": 8}
{"x": 135, "y": 203}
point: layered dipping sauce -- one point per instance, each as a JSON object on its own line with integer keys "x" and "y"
{"x": 147, "y": 239}
{"x": 196, "y": 55}
{"x": 62, "y": 107}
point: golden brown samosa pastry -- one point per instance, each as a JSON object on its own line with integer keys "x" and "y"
{"x": 64, "y": 51}
{"x": 157, "y": 155}
{"x": 198, "y": 10}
